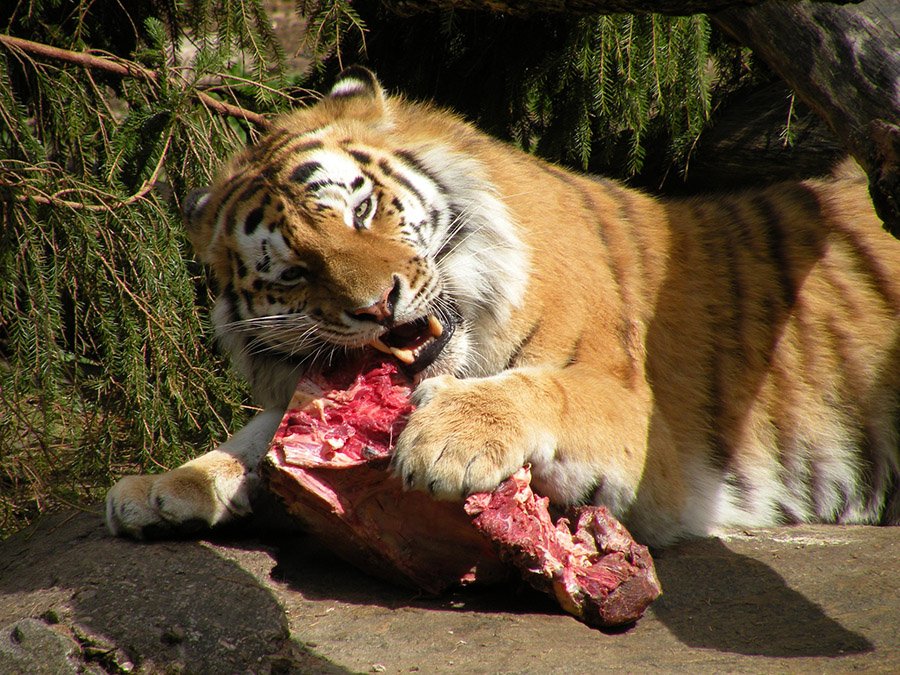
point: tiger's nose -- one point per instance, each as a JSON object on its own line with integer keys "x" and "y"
{"x": 382, "y": 311}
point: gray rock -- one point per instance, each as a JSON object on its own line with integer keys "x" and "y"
{"x": 801, "y": 599}
{"x": 32, "y": 647}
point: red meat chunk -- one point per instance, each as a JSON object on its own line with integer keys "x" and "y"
{"x": 595, "y": 570}
{"x": 328, "y": 463}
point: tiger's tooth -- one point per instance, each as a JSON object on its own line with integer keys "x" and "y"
{"x": 434, "y": 326}
{"x": 380, "y": 346}
{"x": 404, "y": 355}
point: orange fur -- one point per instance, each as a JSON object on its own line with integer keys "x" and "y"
{"x": 693, "y": 363}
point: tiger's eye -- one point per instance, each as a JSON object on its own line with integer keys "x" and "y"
{"x": 363, "y": 208}
{"x": 292, "y": 274}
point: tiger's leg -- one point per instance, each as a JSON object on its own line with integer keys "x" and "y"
{"x": 587, "y": 436}
{"x": 211, "y": 489}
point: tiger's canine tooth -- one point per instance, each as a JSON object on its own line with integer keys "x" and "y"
{"x": 380, "y": 346}
{"x": 435, "y": 326}
{"x": 404, "y": 355}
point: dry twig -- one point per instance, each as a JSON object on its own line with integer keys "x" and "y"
{"x": 125, "y": 69}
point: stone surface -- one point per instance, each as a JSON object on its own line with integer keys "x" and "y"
{"x": 32, "y": 646}
{"x": 803, "y": 599}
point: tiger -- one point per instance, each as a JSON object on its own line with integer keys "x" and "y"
{"x": 694, "y": 363}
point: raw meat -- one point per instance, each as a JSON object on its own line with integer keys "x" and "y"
{"x": 328, "y": 463}
{"x": 596, "y": 571}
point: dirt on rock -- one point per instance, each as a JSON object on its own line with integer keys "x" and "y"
{"x": 75, "y": 599}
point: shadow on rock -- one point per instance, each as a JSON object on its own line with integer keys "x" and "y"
{"x": 308, "y": 567}
{"x": 718, "y": 599}
{"x": 175, "y": 604}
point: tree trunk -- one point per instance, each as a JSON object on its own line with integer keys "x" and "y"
{"x": 844, "y": 63}
{"x": 745, "y": 143}
{"x": 530, "y": 7}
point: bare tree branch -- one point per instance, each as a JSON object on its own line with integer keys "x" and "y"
{"x": 125, "y": 69}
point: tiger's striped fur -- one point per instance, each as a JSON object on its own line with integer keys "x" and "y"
{"x": 694, "y": 364}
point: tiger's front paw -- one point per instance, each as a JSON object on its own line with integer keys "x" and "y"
{"x": 207, "y": 491}
{"x": 465, "y": 436}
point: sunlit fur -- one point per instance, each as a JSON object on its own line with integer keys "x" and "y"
{"x": 694, "y": 364}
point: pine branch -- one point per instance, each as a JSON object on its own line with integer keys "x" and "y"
{"x": 126, "y": 69}
{"x": 57, "y": 197}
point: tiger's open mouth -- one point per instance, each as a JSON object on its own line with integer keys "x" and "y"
{"x": 418, "y": 343}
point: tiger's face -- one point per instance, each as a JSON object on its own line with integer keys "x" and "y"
{"x": 338, "y": 233}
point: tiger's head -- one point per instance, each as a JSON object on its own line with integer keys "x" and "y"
{"x": 363, "y": 222}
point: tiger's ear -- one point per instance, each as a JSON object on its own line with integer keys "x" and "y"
{"x": 357, "y": 93}
{"x": 199, "y": 227}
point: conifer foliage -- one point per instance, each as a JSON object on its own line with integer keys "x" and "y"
{"x": 592, "y": 92}
{"x": 106, "y": 361}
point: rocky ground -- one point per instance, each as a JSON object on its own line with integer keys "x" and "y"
{"x": 74, "y": 599}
